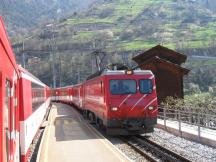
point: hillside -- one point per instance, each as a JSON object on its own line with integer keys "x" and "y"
{"x": 20, "y": 15}
{"x": 120, "y": 28}
{"x": 140, "y": 24}
{"x": 211, "y": 5}
{"x": 143, "y": 23}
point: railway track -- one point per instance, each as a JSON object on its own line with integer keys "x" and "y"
{"x": 152, "y": 151}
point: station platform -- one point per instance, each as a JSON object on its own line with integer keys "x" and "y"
{"x": 69, "y": 138}
{"x": 206, "y": 136}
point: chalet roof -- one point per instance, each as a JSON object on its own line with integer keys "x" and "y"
{"x": 156, "y": 60}
{"x": 162, "y": 52}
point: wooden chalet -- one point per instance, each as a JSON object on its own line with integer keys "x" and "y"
{"x": 166, "y": 66}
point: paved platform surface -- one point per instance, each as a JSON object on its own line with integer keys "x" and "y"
{"x": 70, "y": 139}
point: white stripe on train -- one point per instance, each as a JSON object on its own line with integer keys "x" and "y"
{"x": 30, "y": 126}
{"x": 150, "y": 103}
{"x": 141, "y": 99}
{"x": 138, "y": 101}
{"x": 26, "y": 76}
{"x": 124, "y": 100}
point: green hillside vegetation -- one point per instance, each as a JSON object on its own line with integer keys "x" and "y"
{"x": 142, "y": 23}
{"x": 200, "y": 63}
{"x": 21, "y": 15}
{"x": 120, "y": 28}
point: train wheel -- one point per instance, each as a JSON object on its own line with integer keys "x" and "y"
{"x": 85, "y": 115}
{"x": 91, "y": 118}
{"x": 99, "y": 123}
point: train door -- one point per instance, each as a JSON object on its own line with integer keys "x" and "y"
{"x": 15, "y": 129}
{"x": 6, "y": 121}
{"x": 11, "y": 138}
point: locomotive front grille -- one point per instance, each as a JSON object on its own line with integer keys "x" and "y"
{"x": 132, "y": 124}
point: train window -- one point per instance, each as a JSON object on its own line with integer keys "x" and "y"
{"x": 118, "y": 87}
{"x": 146, "y": 86}
{"x": 38, "y": 96}
{"x": 6, "y": 118}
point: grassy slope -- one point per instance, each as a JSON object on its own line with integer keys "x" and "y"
{"x": 146, "y": 23}
{"x": 171, "y": 23}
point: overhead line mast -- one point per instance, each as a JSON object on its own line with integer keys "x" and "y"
{"x": 99, "y": 57}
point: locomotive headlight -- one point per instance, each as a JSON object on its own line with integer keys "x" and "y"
{"x": 129, "y": 72}
{"x": 114, "y": 108}
{"x": 150, "y": 107}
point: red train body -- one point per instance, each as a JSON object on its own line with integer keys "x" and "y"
{"x": 23, "y": 101}
{"x": 126, "y": 104}
{"x": 9, "y": 110}
{"x": 33, "y": 102}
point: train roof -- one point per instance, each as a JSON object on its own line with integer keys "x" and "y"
{"x": 69, "y": 86}
{"x": 4, "y": 40}
{"x": 119, "y": 72}
{"x": 27, "y": 75}
{"x": 107, "y": 72}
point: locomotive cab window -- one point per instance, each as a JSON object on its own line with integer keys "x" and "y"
{"x": 145, "y": 86}
{"x": 118, "y": 87}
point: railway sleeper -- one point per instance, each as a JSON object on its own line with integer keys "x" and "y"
{"x": 159, "y": 151}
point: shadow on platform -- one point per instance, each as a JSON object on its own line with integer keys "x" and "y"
{"x": 69, "y": 128}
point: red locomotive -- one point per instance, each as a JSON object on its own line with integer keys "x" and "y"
{"x": 122, "y": 101}
{"x": 23, "y": 100}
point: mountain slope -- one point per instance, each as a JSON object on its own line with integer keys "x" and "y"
{"x": 28, "y": 13}
{"x": 120, "y": 28}
{"x": 143, "y": 23}
{"x": 209, "y": 4}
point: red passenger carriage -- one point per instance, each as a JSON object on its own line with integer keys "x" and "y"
{"x": 77, "y": 95}
{"x": 9, "y": 110}
{"x": 23, "y": 103}
{"x": 34, "y": 101}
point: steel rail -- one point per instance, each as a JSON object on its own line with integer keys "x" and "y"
{"x": 153, "y": 151}
{"x": 168, "y": 154}
{"x": 137, "y": 148}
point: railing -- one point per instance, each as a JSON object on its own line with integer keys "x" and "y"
{"x": 190, "y": 117}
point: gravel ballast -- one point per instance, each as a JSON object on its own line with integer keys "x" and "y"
{"x": 192, "y": 150}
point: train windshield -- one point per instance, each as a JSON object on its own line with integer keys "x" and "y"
{"x": 118, "y": 87}
{"x": 146, "y": 86}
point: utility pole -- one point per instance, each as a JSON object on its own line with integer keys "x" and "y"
{"x": 23, "y": 54}
{"x": 52, "y": 61}
{"x": 99, "y": 57}
{"x": 60, "y": 71}
{"x": 78, "y": 74}
{"x": 92, "y": 63}
{"x": 23, "y": 51}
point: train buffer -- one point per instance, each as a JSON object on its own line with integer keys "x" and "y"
{"x": 68, "y": 138}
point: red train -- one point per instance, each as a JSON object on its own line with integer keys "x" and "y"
{"x": 122, "y": 101}
{"x": 23, "y": 100}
